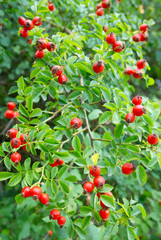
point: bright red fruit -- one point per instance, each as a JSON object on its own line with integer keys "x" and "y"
{"x": 118, "y": 46}
{"x": 62, "y": 79}
{"x": 15, "y": 142}
{"x": 128, "y": 71}
{"x": 24, "y": 33}
{"x": 127, "y": 168}
{"x": 21, "y": 20}
{"x": 99, "y": 6}
{"x": 23, "y": 138}
{"x": 106, "y": 4}
{"x": 37, "y": 21}
{"x": 50, "y": 233}
{"x": 41, "y": 43}
{"x": 12, "y": 132}
{"x": 9, "y": 114}
{"x": 11, "y": 105}
{"x": 55, "y": 164}
{"x": 100, "y": 12}
{"x": 51, "y": 46}
{"x": 137, "y": 100}
{"x": 144, "y": 28}
{"x": 139, "y": 110}
{"x": 95, "y": 171}
{"x": 88, "y": 187}
{"x": 141, "y": 64}
{"x": 98, "y": 67}
{"x": 29, "y": 41}
{"x": 39, "y": 54}
{"x": 16, "y": 114}
{"x": 130, "y": 118}
{"x": 76, "y": 123}
{"x": 59, "y": 161}
{"x": 104, "y": 214}
{"x": 137, "y": 38}
{"x": 144, "y": 36}
{"x": 57, "y": 70}
{"x": 111, "y": 38}
{"x": 26, "y": 192}
{"x": 99, "y": 181}
{"x": 137, "y": 73}
{"x": 61, "y": 221}
{"x": 28, "y": 25}
{"x": 36, "y": 192}
{"x": 51, "y": 7}
{"x": 153, "y": 139}
{"x": 44, "y": 199}
{"x": 16, "y": 158}
{"x": 54, "y": 214}
{"x": 105, "y": 28}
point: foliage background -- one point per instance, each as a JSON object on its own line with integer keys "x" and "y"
{"x": 16, "y": 58}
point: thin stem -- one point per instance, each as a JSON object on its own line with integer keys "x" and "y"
{"x": 101, "y": 139}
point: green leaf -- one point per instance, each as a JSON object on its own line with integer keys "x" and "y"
{"x": 53, "y": 186}
{"x": 148, "y": 120}
{"x": 142, "y": 210}
{"x": 23, "y": 110}
{"x": 7, "y": 163}
{"x": 131, "y": 139}
{"x": 106, "y": 93}
{"x": 76, "y": 144}
{"x": 141, "y": 174}
{"x": 83, "y": 67}
{"x": 43, "y": 148}
{"x": 106, "y": 188}
{"x": 52, "y": 91}
{"x": 21, "y": 84}
{"x": 15, "y": 179}
{"x": 29, "y": 103}
{"x": 71, "y": 178}
{"x": 27, "y": 163}
{"x": 81, "y": 232}
{"x": 108, "y": 201}
{"x": 64, "y": 187}
{"x": 85, "y": 210}
{"x": 29, "y": 178}
{"x": 74, "y": 95}
{"x": 36, "y": 112}
{"x": 62, "y": 171}
{"x": 19, "y": 199}
{"x": 105, "y": 117}
{"x": 118, "y": 130}
{"x": 86, "y": 221}
{"x": 5, "y": 175}
{"x": 131, "y": 234}
{"x": 116, "y": 118}
{"x": 22, "y": 119}
{"x": 54, "y": 171}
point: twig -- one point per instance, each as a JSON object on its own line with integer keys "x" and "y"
{"x": 7, "y": 127}
{"x": 101, "y": 139}
{"x": 50, "y": 118}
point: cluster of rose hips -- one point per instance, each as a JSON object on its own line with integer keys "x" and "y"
{"x": 143, "y": 36}
{"x": 36, "y": 193}
{"x": 57, "y": 72}
{"x": 56, "y": 215}
{"x": 51, "y": 6}
{"x": 57, "y": 162}
{"x": 10, "y": 113}
{"x": 28, "y": 25}
{"x": 100, "y": 7}
{"x": 16, "y": 143}
{"x": 137, "y": 73}
{"x": 117, "y": 46}
{"x": 98, "y": 182}
{"x": 42, "y": 44}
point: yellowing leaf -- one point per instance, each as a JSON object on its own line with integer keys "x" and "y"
{"x": 95, "y": 158}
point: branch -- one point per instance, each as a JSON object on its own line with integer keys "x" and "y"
{"x": 7, "y": 127}
{"x": 86, "y": 118}
{"x": 101, "y": 139}
{"x": 50, "y": 118}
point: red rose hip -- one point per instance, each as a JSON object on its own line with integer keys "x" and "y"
{"x": 100, "y": 12}
{"x": 61, "y": 221}
{"x": 54, "y": 214}
{"x": 28, "y": 25}
{"x": 118, "y": 46}
{"x": 130, "y": 118}
{"x": 98, "y": 67}
{"x": 36, "y": 192}
{"x": 51, "y": 7}
{"x": 153, "y": 139}
{"x": 44, "y": 199}
{"x": 104, "y": 214}
{"x": 99, "y": 181}
{"x": 26, "y": 192}
{"x": 95, "y": 171}
{"x": 76, "y": 123}
{"x": 12, "y": 132}
{"x": 21, "y": 20}
{"x": 127, "y": 168}
{"x": 11, "y": 105}
{"x": 39, "y": 54}
{"x": 51, "y": 46}
{"x": 137, "y": 100}
{"x": 111, "y": 38}
{"x": 139, "y": 110}
{"x": 88, "y": 187}
{"x": 137, "y": 73}
{"x": 141, "y": 64}
{"x": 128, "y": 71}
{"x": 144, "y": 28}
{"x": 16, "y": 158}
{"x": 137, "y": 38}
{"x": 15, "y": 142}
{"x": 24, "y": 33}
{"x": 57, "y": 70}
{"x": 62, "y": 79}
{"x": 37, "y": 21}
{"x": 9, "y": 114}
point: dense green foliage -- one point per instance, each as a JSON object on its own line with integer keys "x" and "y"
{"x": 101, "y": 101}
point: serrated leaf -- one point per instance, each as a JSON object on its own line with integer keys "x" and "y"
{"x": 106, "y": 188}
{"x": 29, "y": 178}
{"x": 108, "y": 201}
{"x": 36, "y": 113}
{"x": 23, "y": 110}
{"x": 71, "y": 178}
{"x": 62, "y": 171}
{"x": 64, "y": 187}
{"x": 15, "y": 179}
{"x": 118, "y": 130}
{"x": 141, "y": 174}
{"x": 105, "y": 117}
{"x": 81, "y": 232}
{"x": 76, "y": 144}
{"x": 19, "y": 199}
{"x": 148, "y": 120}
{"x": 5, "y": 175}
{"x": 7, "y": 163}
